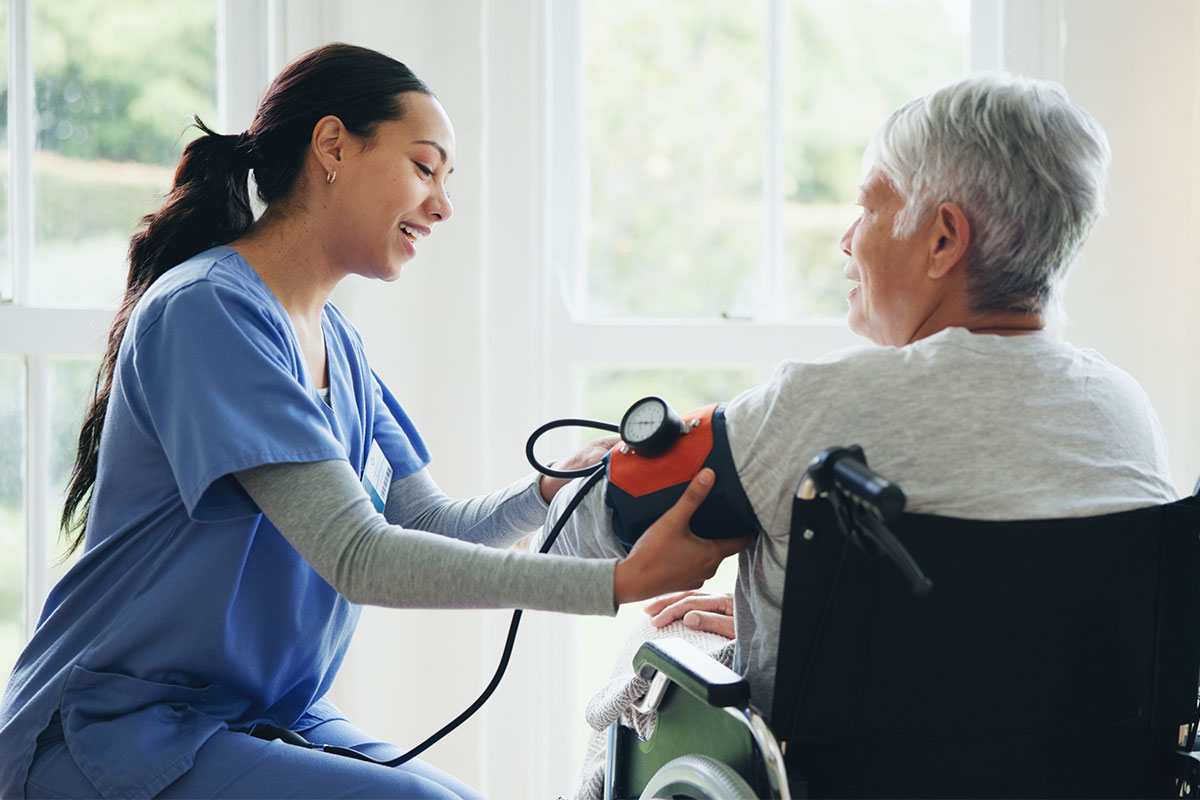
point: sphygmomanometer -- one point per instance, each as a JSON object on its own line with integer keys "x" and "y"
{"x": 659, "y": 454}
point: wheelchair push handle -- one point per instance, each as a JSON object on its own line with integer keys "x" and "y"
{"x": 845, "y": 470}
{"x": 841, "y": 473}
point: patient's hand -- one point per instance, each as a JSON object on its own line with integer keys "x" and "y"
{"x": 703, "y": 611}
{"x": 668, "y": 557}
{"x": 588, "y": 454}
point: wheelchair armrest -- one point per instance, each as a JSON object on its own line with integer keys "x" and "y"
{"x": 702, "y": 677}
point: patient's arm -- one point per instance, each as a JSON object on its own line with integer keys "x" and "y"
{"x": 589, "y": 530}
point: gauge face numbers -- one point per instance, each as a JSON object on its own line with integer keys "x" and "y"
{"x": 643, "y": 420}
{"x": 650, "y": 427}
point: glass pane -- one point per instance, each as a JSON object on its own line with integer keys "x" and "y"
{"x": 607, "y": 392}
{"x": 12, "y": 511}
{"x": 115, "y": 84}
{"x": 846, "y": 65}
{"x": 675, "y": 129}
{"x": 71, "y": 382}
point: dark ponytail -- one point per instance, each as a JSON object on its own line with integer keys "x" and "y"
{"x": 209, "y": 203}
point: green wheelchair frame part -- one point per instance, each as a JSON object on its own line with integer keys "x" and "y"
{"x": 685, "y": 725}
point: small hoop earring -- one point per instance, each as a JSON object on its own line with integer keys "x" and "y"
{"x": 329, "y": 176}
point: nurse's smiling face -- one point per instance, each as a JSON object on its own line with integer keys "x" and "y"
{"x": 390, "y": 189}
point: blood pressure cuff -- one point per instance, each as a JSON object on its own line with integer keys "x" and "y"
{"x": 640, "y": 489}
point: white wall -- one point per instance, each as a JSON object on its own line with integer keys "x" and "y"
{"x": 455, "y": 338}
{"x": 459, "y": 336}
{"x": 410, "y": 672}
{"x": 1135, "y": 293}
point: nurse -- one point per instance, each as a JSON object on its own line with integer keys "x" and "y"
{"x": 245, "y": 482}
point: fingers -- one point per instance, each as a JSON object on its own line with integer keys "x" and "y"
{"x": 703, "y": 612}
{"x": 713, "y": 623}
{"x": 592, "y": 451}
{"x": 659, "y": 603}
{"x": 586, "y": 456}
{"x": 687, "y": 602}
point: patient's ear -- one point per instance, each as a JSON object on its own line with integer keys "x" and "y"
{"x": 951, "y": 236}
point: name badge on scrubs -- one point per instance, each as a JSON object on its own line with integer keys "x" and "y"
{"x": 377, "y": 477}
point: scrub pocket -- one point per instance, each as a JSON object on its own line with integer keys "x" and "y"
{"x": 131, "y": 737}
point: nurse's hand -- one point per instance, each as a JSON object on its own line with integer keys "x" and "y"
{"x": 668, "y": 557}
{"x": 587, "y": 455}
{"x": 702, "y": 611}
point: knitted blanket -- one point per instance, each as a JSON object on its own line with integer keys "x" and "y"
{"x": 616, "y": 699}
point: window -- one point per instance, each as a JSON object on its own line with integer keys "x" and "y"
{"x": 723, "y": 144}
{"x": 98, "y": 95}
{"x": 705, "y": 162}
{"x": 114, "y": 85}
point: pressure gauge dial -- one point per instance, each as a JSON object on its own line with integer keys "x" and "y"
{"x": 650, "y": 427}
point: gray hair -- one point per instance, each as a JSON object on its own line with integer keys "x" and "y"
{"x": 1026, "y": 166}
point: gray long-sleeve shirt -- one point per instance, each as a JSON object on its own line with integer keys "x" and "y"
{"x": 323, "y": 511}
{"x": 974, "y": 426}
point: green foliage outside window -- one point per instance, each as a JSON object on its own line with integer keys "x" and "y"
{"x": 676, "y": 99}
{"x": 675, "y": 120}
{"x": 115, "y": 84}
{"x": 115, "y": 81}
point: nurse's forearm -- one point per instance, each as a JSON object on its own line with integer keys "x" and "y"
{"x": 497, "y": 519}
{"x": 323, "y": 511}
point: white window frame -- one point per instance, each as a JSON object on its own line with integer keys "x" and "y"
{"x": 38, "y": 334}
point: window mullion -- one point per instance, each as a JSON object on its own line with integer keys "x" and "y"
{"x": 37, "y": 490}
{"x": 21, "y": 145}
{"x": 773, "y": 306}
{"x": 241, "y": 61}
{"x": 569, "y": 183}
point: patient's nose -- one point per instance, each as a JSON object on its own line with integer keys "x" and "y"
{"x": 847, "y": 237}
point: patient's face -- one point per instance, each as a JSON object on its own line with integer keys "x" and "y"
{"x": 890, "y": 298}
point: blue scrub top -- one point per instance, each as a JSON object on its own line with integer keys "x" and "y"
{"x": 188, "y": 611}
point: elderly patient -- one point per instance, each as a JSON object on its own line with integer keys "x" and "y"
{"x": 976, "y": 200}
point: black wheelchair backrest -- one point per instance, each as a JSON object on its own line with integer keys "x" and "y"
{"x": 1052, "y": 657}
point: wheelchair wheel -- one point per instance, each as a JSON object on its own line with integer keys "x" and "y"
{"x": 697, "y": 778}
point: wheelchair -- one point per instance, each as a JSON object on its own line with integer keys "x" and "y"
{"x": 925, "y": 656}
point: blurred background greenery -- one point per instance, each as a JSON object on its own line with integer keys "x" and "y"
{"x": 115, "y": 84}
{"x": 677, "y": 109}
